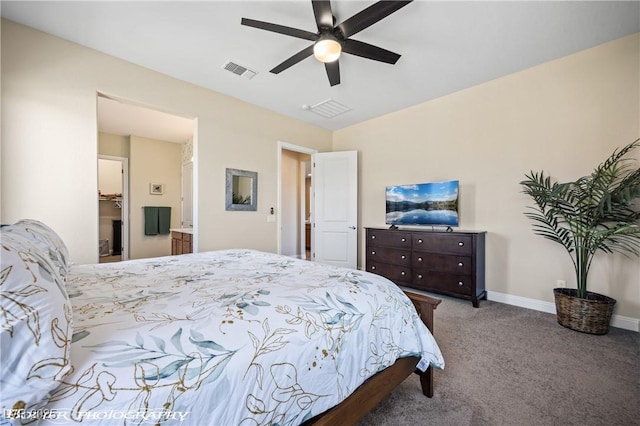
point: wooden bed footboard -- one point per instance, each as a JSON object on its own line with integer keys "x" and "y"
{"x": 425, "y": 306}
{"x": 376, "y": 388}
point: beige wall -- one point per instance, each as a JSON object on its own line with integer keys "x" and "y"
{"x": 113, "y": 145}
{"x": 49, "y": 134}
{"x": 565, "y": 117}
{"x": 109, "y": 176}
{"x": 153, "y": 161}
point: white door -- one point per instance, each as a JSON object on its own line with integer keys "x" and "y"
{"x": 335, "y": 208}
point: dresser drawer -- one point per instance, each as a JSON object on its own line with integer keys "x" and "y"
{"x": 181, "y": 236}
{"x": 393, "y": 272}
{"x": 389, "y": 238}
{"x": 443, "y": 243}
{"x": 442, "y": 282}
{"x": 441, "y": 262}
{"x": 391, "y": 255}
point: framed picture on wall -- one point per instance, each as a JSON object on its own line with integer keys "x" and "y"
{"x": 156, "y": 188}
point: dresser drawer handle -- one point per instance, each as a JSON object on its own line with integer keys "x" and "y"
{"x": 460, "y": 283}
{"x": 373, "y": 267}
{"x": 403, "y": 257}
{"x": 420, "y": 241}
{"x": 419, "y": 259}
{"x": 460, "y": 264}
{"x": 373, "y": 237}
{"x": 404, "y": 239}
{"x": 420, "y": 276}
{"x": 373, "y": 252}
{"x": 403, "y": 273}
{"x": 461, "y": 243}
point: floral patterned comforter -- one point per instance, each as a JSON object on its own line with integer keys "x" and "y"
{"x": 231, "y": 337}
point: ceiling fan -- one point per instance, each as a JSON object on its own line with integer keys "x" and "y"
{"x": 331, "y": 39}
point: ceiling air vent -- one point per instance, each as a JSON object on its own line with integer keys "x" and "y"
{"x": 328, "y": 108}
{"x": 239, "y": 70}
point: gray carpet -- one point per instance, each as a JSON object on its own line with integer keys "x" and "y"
{"x": 513, "y": 366}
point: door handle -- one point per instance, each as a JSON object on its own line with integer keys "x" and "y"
{"x": 352, "y": 227}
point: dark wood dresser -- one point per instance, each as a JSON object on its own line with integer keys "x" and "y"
{"x": 450, "y": 263}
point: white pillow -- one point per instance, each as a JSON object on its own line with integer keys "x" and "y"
{"x": 45, "y": 238}
{"x": 35, "y": 325}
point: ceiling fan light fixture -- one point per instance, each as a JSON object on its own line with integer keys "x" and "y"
{"x": 327, "y": 50}
{"x": 330, "y": 39}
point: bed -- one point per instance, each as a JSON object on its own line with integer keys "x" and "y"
{"x": 229, "y": 337}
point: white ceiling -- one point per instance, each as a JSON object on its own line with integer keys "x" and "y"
{"x": 120, "y": 118}
{"x": 446, "y": 46}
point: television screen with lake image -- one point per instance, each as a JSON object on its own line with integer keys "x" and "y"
{"x": 433, "y": 203}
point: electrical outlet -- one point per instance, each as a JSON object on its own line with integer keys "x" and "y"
{"x": 561, "y": 283}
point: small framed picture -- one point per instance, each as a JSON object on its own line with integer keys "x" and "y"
{"x": 156, "y": 188}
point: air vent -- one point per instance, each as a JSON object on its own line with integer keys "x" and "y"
{"x": 328, "y": 108}
{"x": 239, "y": 70}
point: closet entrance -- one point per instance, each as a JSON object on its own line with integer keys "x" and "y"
{"x": 113, "y": 199}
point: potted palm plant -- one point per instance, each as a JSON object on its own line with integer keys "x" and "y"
{"x": 595, "y": 213}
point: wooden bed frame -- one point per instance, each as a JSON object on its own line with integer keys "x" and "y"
{"x": 376, "y": 388}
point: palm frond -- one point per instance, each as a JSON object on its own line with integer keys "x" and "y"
{"x": 593, "y": 213}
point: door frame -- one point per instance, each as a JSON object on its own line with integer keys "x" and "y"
{"x": 302, "y": 178}
{"x": 295, "y": 148}
{"x": 182, "y": 195}
{"x": 194, "y": 185}
{"x": 124, "y": 206}
{"x": 194, "y": 159}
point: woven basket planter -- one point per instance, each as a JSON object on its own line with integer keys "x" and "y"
{"x": 591, "y": 315}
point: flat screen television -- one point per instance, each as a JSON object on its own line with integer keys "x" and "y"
{"x": 432, "y": 203}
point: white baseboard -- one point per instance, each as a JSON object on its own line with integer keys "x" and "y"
{"x": 617, "y": 321}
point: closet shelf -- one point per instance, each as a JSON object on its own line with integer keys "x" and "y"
{"x": 117, "y": 201}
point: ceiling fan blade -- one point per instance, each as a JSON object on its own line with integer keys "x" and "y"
{"x": 333, "y": 72}
{"x": 280, "y": 29}
{"x": 303, "y": 54}
{"x": 323, "y": 14}
{"x": 369, "y": 16}
{"x": 369, "y": 51}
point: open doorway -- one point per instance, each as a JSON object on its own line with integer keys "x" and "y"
{"x": 295, "y": 203}
{"x": 156, "y": 149}
{"x": 113, "y": 200}
{"x": 332, "y": 200}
